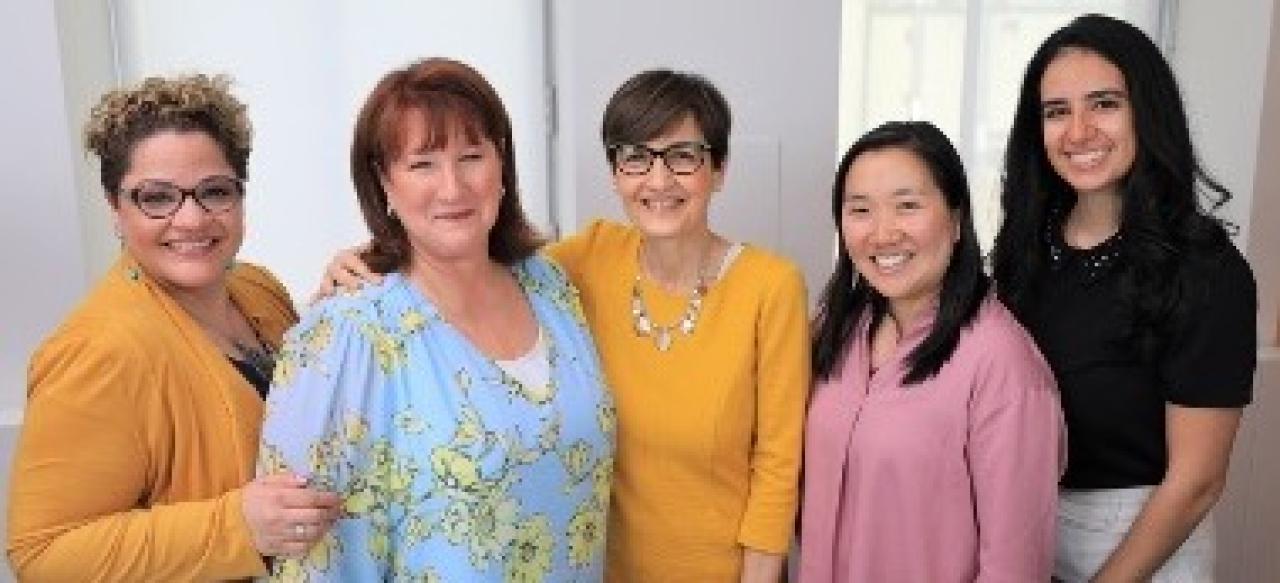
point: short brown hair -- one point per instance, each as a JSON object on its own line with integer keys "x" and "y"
{"x": 652, "y": 101}
{"x": 190, "y": 103}
{"x": 447, "y": 94}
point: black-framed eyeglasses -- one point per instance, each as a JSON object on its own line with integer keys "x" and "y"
{"x": 160, "y": 199}
{"x": 681, "y": 158}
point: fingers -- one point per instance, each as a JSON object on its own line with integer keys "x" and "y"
{"x": 285, "y": 516}
{"x": 345, "y": 272}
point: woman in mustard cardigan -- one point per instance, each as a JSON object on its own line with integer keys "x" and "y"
{"x": 141, "y": 428}
{"x": 704, "y": 342}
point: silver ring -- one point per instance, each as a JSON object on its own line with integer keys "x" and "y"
{"x": 300, "y": 530}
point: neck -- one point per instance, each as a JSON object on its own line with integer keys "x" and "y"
{"x": 1094, "y": 218}
{"x": 906, "y": 313}
{"x": 208, "y": 305}
{"x": 455, "y": 284}
{"x": 679, "y": 263}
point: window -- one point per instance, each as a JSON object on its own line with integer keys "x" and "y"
{"x": 958, "y": 64}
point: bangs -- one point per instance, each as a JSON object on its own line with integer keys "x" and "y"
{"x": 444, "y": 116}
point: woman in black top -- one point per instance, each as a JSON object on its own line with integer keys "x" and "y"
{"x": 1139, "y": 301}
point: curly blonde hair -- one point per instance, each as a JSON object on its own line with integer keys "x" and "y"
{"x": 201, "y": 103}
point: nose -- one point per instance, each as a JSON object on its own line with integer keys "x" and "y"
{"x": 1079, "y": 126}
{"x": 884, "y": 230}
{"x": 189, "y": 213}
{"x": 660, "y": 176}
{"x": 451, "y": 182}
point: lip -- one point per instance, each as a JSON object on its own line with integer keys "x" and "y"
{"x": 454, "y": 215}
{"x": 192, "y": 247}
{"x": 664, "y": 203}
{"x": 890, "y": 262}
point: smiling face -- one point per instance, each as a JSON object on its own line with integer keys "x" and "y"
{"x": 446, "y": 197}
{"x": 1088, "y": 122}
{"x": 663, "y": 204}
{"x": 897, "y": 228}
{"x": 189, "y": 250}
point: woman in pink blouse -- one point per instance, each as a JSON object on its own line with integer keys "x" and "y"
{"x": 934, "y": 440}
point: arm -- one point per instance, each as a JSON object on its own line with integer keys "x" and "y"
{"x": 1199, "y": 442}
{"x": 81, "y": 469}
{"x": 782, "y": 383}
{"x": 1016, "y": 452}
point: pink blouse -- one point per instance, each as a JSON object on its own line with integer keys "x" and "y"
{"x": 954, "y": 479}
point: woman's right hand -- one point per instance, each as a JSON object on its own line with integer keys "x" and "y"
{"x": 345, "y": 272}
{"x": 286, "y": 517}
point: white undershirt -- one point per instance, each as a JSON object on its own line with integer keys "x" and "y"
{"x": 533, "y": 369}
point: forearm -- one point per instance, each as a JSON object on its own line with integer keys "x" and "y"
{"x": 1166, "y": 520}
{"x": 202, "y": 540}
{"x": 761, "y": 567}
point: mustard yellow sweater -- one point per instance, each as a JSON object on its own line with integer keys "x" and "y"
{"x": 709, "y": 432}
{"x": 137, "y": 438}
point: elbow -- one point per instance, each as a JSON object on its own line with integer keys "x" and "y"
{"x": 1200, "y": 493}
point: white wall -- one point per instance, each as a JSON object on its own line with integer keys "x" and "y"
{"x": 304, "y": 68}
{"x": 776, "y": 63}
{"x": 43, "y": 262}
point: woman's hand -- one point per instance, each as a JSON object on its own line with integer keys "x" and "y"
{"x": 345, "y": 272}
{"x": 761, "y": 567}
{"x": 285, "y": 517}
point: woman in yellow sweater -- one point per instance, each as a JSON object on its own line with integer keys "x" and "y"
{"x": 135, "y": 461}
{"x": 704, "y": 343}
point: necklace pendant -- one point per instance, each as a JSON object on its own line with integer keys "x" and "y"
{"x": 663, "y": 339}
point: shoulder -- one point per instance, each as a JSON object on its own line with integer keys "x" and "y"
{"x": 1221, "y": 268}
{"x": 372, "y": 302}
{"x": 770, "y": 271}
{"x": 996, "y": 341}
{"x": 542, "y": 271}
{"x": 598, "y": 234}
{"x": 260, "y": 283}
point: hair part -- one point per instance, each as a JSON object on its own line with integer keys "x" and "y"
{"x": 844, "y": 302}
{"x": 652, "y": 102}
{"x": 1167, "y": 197}
{"x": 453, "y": 100}
{"x": 125, "y": 117}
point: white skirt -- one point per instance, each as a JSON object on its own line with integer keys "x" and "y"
{"x": 1091, "y": 524}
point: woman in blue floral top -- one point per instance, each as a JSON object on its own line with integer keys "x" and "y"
{"x": 458, "y": 405}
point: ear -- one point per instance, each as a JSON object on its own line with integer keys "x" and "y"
{"x": 718, "y": 174}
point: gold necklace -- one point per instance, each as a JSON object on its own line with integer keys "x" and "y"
{"x": 664, "y": 335}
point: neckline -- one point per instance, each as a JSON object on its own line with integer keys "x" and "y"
{"x": 1092, "y": 262}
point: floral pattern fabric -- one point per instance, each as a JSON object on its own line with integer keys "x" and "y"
{"x": 451, "y": 469}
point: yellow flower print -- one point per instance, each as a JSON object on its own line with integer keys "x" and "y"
{"x": 575, "y": 459}
{"x": 537, "y": 394}
{"x": 321, "y": 555}
{"x": 607, "y": 416}
{"x": 530, "y": 558}
{"x": 289, "y": 571}
{"x": 286, "y": 368}
{"x": 271, "y": 461}
{"x": 549, "y": 437}
{"x": 316, "y": 338}
{"x": 470, "y": 429}
{"x": 454, "y": 470}
{"x": 486, "y": 525}
{"x": 602, "y": 481}
{"x": 360, "y": 501}
{"x": 412, "y": 321}
{"x": 409, "y": 422}
{"x": 354, "y": 429}
{"x": 586, "y": 533}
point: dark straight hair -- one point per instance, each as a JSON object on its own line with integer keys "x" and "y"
{"x": 844, "y": 300}
{"x": 1164, "y": 213}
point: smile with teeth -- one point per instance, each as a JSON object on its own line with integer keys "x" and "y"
{"x": 191, "y": 245}
{"x": 1087, "y": 159}
{"x": 890, "y": 262}
{"x": 663, "y": 204}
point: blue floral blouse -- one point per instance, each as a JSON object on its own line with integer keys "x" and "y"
{"x": 451, "y": 469}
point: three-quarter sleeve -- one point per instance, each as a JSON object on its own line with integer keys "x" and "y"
{"x": 82, "y": 466}
{"x": 313, "y": 427}
{"x": 783, "y": 376}
{"x": 1016, "y": 453}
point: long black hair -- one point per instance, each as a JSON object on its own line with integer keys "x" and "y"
{"x": 1164, "y": 212}
{"x": 964, "y": 284}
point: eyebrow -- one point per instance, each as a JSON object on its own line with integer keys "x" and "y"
{"x": 1092, "y": 95}
{"x": 904, "y": 191}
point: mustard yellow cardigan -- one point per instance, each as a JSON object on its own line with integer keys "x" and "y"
{"x": 137, "y": 438}
{"x": 709, "y": 431}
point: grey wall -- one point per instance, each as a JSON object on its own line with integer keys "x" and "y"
{"x": 777, "y": 64}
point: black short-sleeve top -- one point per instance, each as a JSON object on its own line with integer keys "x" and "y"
{"x": 1113, "y": 393}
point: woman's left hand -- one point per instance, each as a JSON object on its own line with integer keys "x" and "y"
{"x": 761, "y": 567}
{"x": 285, "y": 517}
{"x": 346, "y": 271}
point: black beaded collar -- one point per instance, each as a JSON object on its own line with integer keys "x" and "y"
{"x": 1092, "y": 263}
